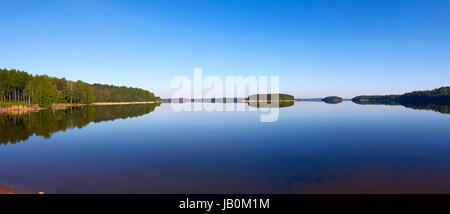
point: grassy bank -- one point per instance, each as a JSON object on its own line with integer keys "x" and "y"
{"x": 6, "y": 107}
{"x": 11, "y": 104}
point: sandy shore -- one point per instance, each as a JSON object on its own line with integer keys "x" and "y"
{"x": 25, "y": 109}
{"x": 20, "y": 109}
{"x": 7, "y": 190}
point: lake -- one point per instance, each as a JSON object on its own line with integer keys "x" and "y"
{"x": 313, "y": 147}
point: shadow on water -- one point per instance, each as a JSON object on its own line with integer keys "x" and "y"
{"x": 437, "y": 107}
{"x": 15, "y": 128}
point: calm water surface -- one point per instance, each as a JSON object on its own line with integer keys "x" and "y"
{"x": 313, "y": 148}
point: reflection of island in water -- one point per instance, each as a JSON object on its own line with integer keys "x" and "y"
{"x": 15, "y": 128}
{"x": 332, "y": 100}
{"x": 271, "y": 104}
{"x": 442, "y": 108}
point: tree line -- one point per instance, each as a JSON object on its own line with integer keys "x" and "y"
{"x": 436, "y": 100}
{"x": 19, "y": 86}
{"x": 439, "y": 96}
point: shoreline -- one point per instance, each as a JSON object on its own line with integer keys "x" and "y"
{"x": 7, "y": 190}
{"x": 58, "y": 106}
{"x": 20, "y": 109}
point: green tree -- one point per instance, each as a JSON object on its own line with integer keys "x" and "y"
{"x": 44, "y": 91}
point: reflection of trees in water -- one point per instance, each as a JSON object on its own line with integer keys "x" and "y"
{"x": 429, "y": 106}
{"x": 442, "y": 108}
{"x": 15, "y": 128}
{"x": 271, "y": 104}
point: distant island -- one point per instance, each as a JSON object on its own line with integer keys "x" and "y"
{"x": 436, "y": 99}
{"x": 270, "y": 100}
{"x": 22, "y": 91}
{"x": 270, "y": 97}
{"x": 333, "y": 99}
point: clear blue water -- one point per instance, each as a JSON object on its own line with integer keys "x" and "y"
{"x": 313, "y": 148}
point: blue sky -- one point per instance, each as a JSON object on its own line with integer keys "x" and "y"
{"x": 317, "y": 48}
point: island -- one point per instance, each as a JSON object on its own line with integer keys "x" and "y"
{"x": 332, "y": 100}
{"x": 270, "y": 100}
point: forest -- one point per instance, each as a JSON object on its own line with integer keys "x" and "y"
{"x": 436, "y": 96}
{"x": 20, "y": 87}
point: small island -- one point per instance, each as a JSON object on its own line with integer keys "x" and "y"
{"x": 332, "y": 100}
{"x": 270, "y": 98}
